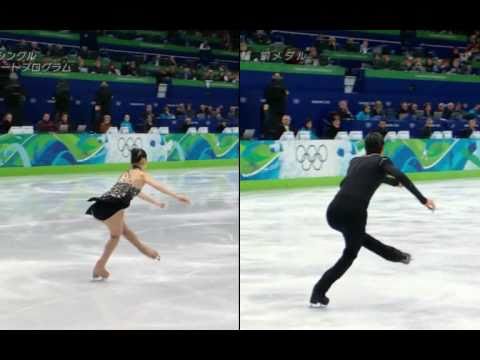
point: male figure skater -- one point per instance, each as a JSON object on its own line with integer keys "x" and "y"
{"x": 347, "y": 212}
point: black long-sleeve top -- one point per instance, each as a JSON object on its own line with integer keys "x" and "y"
{"x": 366, "y": 173}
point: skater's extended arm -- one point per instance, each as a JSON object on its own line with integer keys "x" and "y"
{"x": 390, "y": 181}
{"x": 403, "y": 179}
{"x": 151, "y": 200}
{"x": 156, "y": 185}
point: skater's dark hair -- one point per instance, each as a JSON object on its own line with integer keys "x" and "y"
{"x": 138, "y": 155}
{"x": 374, "y": 143}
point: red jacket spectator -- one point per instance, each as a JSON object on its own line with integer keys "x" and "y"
{"x": 46, "y": 124}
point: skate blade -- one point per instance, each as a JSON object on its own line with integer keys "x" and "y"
{"x": 157, "y": 258}
{"x": 317, "y": 305}
{"x": 96, "y": 278}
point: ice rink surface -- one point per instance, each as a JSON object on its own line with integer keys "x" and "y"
{"x": 48, "y": 248}
{"x": 286, "y": 245}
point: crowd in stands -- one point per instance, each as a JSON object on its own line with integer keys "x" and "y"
{"x": 378, "y": 112}
{"x": 84, "y": 60}
{"x": 275, "y": 120}
{"x": 225, "y": 40}
{"x": 102, "y": 119}
{"x": 14, "y": 100}
{"x": 459, "y": 62}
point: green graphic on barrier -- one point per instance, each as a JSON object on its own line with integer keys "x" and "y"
{"x": 264, "y": 160}
{"x": 27, "y": 150}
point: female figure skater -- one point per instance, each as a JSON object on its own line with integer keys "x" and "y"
{"x": 347, "y": 212}
{"x": 110, "y": 207}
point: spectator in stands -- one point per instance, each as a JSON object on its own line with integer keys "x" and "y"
{"x": 148, "y": 112}
{"x": 64, "y": 123}
{"x": 202, "y": 112}
{"x": 445, "y": 65}
{"x": 332, "y": 43}
{"x": 403, "y": 111}
{"x": 205, "y": 52}
{"x": 440, "y": 109}
{"x": 334, "y": 127}
{"x": 429, "y": 64}
{"x": 126, "y": 123}
{"x": 103, "y": 98}
{"x": 186, "y": 73}
{"x": 413, "y": 109}
{"x": 344, "y": 111}
{"x": 475, "y": 111}
{"x": 312, "y": 57}
{"x": 245, "y": 52}
{"x": 351, "y": 45}
{"x": 80, "y": 66}
{"x": 427, "y": 110}
{"x": 187, "y": 123}
{"x": 222, "y": 125}
{"x": 62, "y": 98}
{"x": 308, "y": 126}
{"x": 166, "y": 114}
{"x": 458, "y": 112}
{"x": 455, "y": 54}
{"x": 276, "y": 98}
{"x": 112, "y": 70}
{"x": 96, "y": 118}
{"x": 364, "y": 115}
{"x": 428, "y": 129}
{"x": 208, "y": 75}
{"x": 14, "y": 99}
{"x": 382, "y": 127}
{"x": 220, "y": 110}
{"x": 472, "y": 126}
{"x": 447, "y": 112}
{"x": 456, "y": 68}
{"x": 236, "y": 78}
{"x": 180, "y": 110}
{"x": 386, "y": 63}
{"x": 105, "y": 124}
{"x": 97, "y": 67}
{"x": 189, "y": 111}
{"x": 364, "y": 47}
{"x": 6, "y": 123}
{"x": 437, "y": 65}
{"x": 407, "y": 64}
{"x": 266, "y": 128}
{"x": 46, "y": 124}
{"x": 232, "y": 113}
{"x": 378, "y": 109}
{"x": 418, "y": 65}
{"x": 377, "y": 61}
{"x": 285, "y": 125}
{"x": 148, "y": 123}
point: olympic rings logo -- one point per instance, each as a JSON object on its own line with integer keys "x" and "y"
{"x": 311, "y": 156}
{"x": 126, "y": 144}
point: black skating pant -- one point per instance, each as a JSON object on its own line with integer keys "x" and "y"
{"x": 349, "y": 217}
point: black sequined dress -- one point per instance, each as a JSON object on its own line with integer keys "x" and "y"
{"x": 114, "y": 200}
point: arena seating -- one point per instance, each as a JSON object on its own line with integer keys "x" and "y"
{"x": 130, "y": 93}
{"x": 316, "y": 90}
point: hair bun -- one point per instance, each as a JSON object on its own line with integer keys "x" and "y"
{"x": 137, "y": 154}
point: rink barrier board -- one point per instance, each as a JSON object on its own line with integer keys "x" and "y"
{"x": 97, "y": 168}
{"x": 252, "y": 185}
{"x": 300, "y": 159}
{"x": 51, "y": 149}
